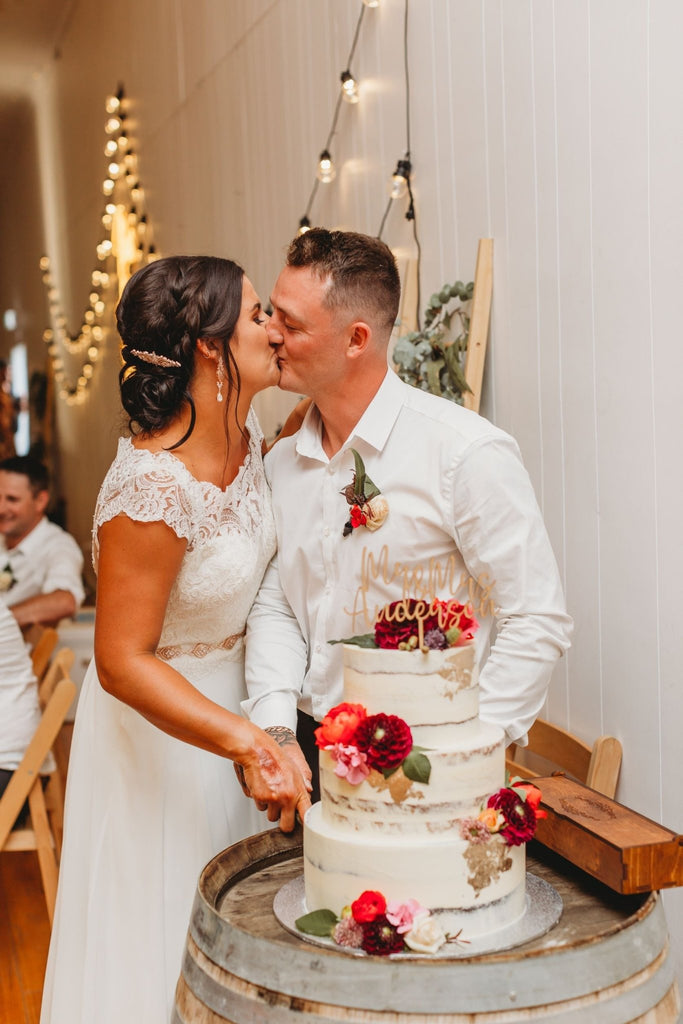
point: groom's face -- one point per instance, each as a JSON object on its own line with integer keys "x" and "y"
{"x": 309, "y": 339}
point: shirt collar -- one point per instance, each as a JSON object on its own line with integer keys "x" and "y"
{"x": 31, "y": 542}
{"x": 374, "y": 426}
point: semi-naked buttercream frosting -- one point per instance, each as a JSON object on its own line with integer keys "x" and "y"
{"x": 408, "y": 839}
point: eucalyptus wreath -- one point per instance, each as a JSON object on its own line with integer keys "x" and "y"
{"x": 433, "y": 358}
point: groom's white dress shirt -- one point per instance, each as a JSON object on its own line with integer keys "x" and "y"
{"x": 463, "y": 522}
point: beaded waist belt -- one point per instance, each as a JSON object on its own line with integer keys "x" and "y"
{"x": 198, "y": 650}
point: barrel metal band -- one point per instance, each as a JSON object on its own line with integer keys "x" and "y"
{"x": 198, "y": 650}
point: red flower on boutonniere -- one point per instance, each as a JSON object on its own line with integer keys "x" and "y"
{"x": 369, "y": 508}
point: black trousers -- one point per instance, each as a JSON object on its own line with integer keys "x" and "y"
{"x": 305, "y": 734}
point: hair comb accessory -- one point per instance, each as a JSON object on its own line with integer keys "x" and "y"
{"x": 154, "y": 358}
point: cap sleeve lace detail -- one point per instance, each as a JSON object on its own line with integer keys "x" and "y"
{"x": 147, "y": 490}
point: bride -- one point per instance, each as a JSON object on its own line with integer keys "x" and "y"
{"x": 183, "y": 532}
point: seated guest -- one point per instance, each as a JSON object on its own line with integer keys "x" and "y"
{"x": 40, "y": 564}
{"x": 19, "y": 710}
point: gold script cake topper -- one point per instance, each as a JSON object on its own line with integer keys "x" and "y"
{"x": 424, "y": 581}
{"x": 448, "y": 614}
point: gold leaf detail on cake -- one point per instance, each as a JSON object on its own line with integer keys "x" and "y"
{"x": 486, "y": 861}
{"x": 458, "y": 674}
{"x": 398, "y": 786}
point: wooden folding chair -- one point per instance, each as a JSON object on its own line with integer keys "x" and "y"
{"x": 552, "y": 749}
{"x": 43, "y": 830}
{"x": 43, "y": 641}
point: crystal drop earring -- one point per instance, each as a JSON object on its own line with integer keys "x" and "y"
{"x": 220, "y": 377}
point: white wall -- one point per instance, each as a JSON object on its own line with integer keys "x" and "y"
{"x": 552, "y": 126}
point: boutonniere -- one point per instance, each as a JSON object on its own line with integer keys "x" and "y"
{"x": 369, "y": 507}
{"x": 7, "y": 578}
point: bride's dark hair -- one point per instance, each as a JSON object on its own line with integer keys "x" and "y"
{"x": 165, "y": 307}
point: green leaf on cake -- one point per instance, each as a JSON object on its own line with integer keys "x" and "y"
{"x": 417, "y": 767}
{"x": 364, "y": 640}
{"x": 318, "y": 922}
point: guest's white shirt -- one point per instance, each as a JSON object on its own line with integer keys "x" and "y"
{"x": 463, "y": 522}
{"x": 47, "y": 559}
{"x": 19, "y": 710}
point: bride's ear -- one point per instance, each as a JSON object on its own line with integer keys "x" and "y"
{"x": 207, "y": 347}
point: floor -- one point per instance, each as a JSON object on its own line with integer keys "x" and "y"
{"x": 24, "y": 928}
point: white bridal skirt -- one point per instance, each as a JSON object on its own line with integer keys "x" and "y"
{"x": 144, "y": 814}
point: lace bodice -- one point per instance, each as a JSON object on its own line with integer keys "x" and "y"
{"x": 230, "y": 539}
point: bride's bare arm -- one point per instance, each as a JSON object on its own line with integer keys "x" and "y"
{"x": 138, "y": 564}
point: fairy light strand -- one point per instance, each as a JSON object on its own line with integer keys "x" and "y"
{"x": 127, "y": 240}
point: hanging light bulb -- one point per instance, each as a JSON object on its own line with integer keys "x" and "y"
{"x": 398, "y": 185}
{"x": 93, "y": 353}
{"x": 114, "y": 169}
{"x": 111, "y": 147}
{"x": 326, "y": 170}
{"x": 371, "y": 3}
{"x": 44, "y": 263}
{"x": 112, "y": 104}
{"x": 113, "y": 125}
{"x": 349, "y": 87}
{"x": 304, "y": 225}
{"x": 107, "y": 186}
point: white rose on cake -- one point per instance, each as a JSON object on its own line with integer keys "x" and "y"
{"x": 426, "y": 935}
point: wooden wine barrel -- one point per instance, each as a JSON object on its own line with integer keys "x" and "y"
{"x": 605, "y": 962}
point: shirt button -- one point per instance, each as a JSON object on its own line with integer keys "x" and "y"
{"x": 326, "y": 531}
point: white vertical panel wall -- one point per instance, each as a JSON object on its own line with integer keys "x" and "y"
{"x": 552, "y": 126}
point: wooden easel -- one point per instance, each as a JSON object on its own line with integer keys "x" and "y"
{"x": 479, "y": 324}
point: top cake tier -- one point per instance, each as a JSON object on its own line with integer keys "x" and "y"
{"x": 432, "y": 691}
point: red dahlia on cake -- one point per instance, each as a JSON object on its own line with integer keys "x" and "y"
{"x": 385, "y": 739}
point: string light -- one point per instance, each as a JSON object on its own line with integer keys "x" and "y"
{"x": 304, "y": 226}
{"x": 326, "y": 172}
{"x": 398, "y": 183}
{"x": 124, "y": 199}
{"x": 350, "y": 91}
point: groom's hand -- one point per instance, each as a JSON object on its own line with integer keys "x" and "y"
{"x": 286, "y": 739}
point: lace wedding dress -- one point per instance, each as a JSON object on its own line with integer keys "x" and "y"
{"x": 145, "y": 812}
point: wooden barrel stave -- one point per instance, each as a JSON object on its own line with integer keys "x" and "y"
{"x": 255, "y": 972}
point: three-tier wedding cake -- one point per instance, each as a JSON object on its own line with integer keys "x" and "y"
{"x": 414, "y": 810}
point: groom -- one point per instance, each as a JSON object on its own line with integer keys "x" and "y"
{"x": 456, "y": 515}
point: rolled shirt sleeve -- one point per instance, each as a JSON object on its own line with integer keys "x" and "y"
{"x": 499, "y": 530}
{"x": 276, "y": 656}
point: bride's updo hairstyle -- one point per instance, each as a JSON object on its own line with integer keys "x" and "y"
{"x": 165, "y": 307}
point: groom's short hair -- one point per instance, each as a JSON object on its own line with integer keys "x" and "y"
{"x": 361, "y": 272}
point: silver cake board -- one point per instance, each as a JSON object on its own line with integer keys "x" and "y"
{"x": 543, "y": 911}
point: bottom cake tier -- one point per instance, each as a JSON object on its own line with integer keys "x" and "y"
{"x": 472, "y": 887}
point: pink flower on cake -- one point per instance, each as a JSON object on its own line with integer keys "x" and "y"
{"x": 349, "y": 933}
{"x": 351, "y": 763}
{"x": 477, "y": 830}
{"x": 385, "y": 739}
{"x": 368, "y": 906}
{"x": 339, "y": 725}
{"x": 403, "y": 915}
{"x": 519, "y": 815}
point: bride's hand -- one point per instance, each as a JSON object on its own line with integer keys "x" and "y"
{"x": 275, "y": 783}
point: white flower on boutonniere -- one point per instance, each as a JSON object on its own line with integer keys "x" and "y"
{"x": 369, "y": 507}
{"x": 7, "y": 578}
